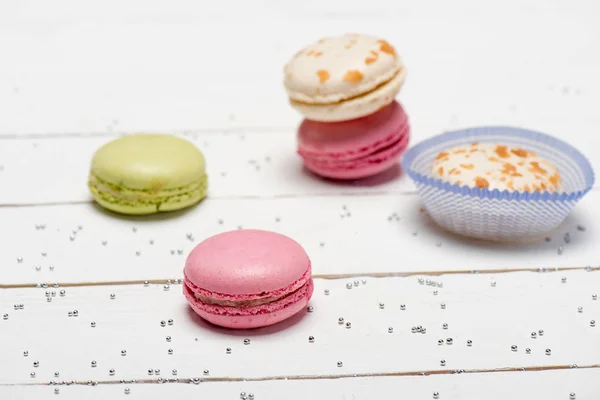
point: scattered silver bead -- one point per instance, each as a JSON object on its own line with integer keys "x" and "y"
{"x": 428, "y": 282}
{"x": 311, "y": 339}
{"x": 445, "y": 326}
{"x": 348, "y": 285}
{"x": 166, "y": 287}
{"x": 592, "y": 323}
{"x": 435, "y": 292}
{"x": 127, "y": 390}
{"x": 402, "y": 307}
{"x": 356, "y": 283}
{"x": 94, "y": 364}
{"x": 168, "y": 338}
{"x": 469, "y": 343}
{"x": 310, "y": 309}
{"x": 563, "y": 279}
{"x": 32, "y": 374}
{"x": 123, "y": 352}
{"x": 493, "y": 283}
{"x": 326, "y": 291}
{"x": 533, "y": 335}
{"x": 56, "y": 374}
{"x": 157, "y": 372}
{"x": 548, "y": 352}
{"x": 440, "y": 342}
{"x": 62, "y": 293}
{"x": 71, "y": 238}
{"x": 172, "y": 252}
{"x": 572, "y": 396}
{"x": 513, "y": 347}
{"x": 594, "y": 297}
{"x": 56, "y": 390}
{"x": 5, "y": 317}
{"x": 413, "y": 329}
{"x": 381, "y": 305}
{"x": 443, "y": 363}
{"x": 163, "y": 323}
{"x": 174, "y": 372}
{"x": 243, "y": 395}
{"x": 322, "y": 244}
{"x": 228, "y": 350}
{"x": 541, "y": 332}
{"x": 579, "y": 309}
{"x": 146, "y": 283}
{"x": 436, "y": 395}
{"x": 179, "y": 251}
{"x": 25, "y": 353}
{"x": 348, "y": 325}
{"x": 340, "y": 320}
{"x": 38, "y": 268}
{"x": 340, "y": 364}
{"x": 170, "y": 352}
{"x": 111, "y": 372}
{"x": 206, "y": 372}
{"x": 246, "y": 341}
{"x": 93, "y": 324}
{"x": 443, "y": 306}
{"x": 19, "y": 259}
{"x": 150, "y": 371}
{"x": 528, "y": 350}
{"x": 75, "y": 313}
{"x": 112, "y": 296}
{"x": 421, "y": 281}
{"x": 170, "y": 322}
{"x": 250, "y": 396}
{"x": 36, "y": 364}
{"x": 449, "y": 341}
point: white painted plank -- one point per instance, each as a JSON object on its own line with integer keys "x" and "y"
{"x": 120, "y": 65}
{"x": 342, "y": 235}
{"x": 552, "y": 385}
{"x": 493, "y": 317}
{"x": 239, "y": 164}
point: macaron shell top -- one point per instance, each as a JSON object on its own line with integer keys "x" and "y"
{"x": 496, "y": 166}
{"x": 149, "y": 161}
{"x": 339, "y": 68}
{"x": 246, "y": 262}
{"x": 347, "y": 140}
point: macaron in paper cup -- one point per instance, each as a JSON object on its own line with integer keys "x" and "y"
{"x": 493, "y": 214}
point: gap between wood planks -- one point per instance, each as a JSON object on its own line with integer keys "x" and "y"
{"x": 180, "y": 132}
{"x": 198, "y": 380}
{"x": 315, "y": 276}
{"x": 241, "y": 197}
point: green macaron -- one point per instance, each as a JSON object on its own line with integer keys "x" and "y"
{"x": 147, "y": 174}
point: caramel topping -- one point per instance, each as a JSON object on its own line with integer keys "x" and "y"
{"x": 535, "y": 168}
{"x": 323, "y": 75}
{"x": 554, "y": 179}
{"x": 441, "y": 170}
{"x": 509, "y": 185}
{"x": 353, "y": 76}
{"x": 519, "y": 152}
{"x": 493, "y": 159}
{"x": 481, "y": 182}
{"x": 467, "y": 166}
{"x": 441, "y": 155}
{"x": 386, "y": 47}
{"x": 502, "y": 151}
{"x": 460, "y": 151}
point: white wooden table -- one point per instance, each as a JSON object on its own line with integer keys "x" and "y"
{"x": 75, "y": 74}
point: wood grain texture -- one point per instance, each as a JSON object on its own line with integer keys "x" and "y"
{"x": 494, "y": 386}
{"x": 357, "y": 235}
{"x": 495, "y": 312}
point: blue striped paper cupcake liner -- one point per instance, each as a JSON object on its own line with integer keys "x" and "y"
{"x": 493, "y": 214}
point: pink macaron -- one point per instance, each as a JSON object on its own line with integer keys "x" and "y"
{"x": 247, "y": 279}
{"x": 356, "y": 148}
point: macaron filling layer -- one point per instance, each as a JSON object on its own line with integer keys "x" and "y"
{"x": 248, "y": 304}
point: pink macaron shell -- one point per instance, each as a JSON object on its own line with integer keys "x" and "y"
{"x": 370, "y": 165}
{"x": 349, "y": 140}
{"x": 238, "y": 318}
{"x": 246, "y": 262}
